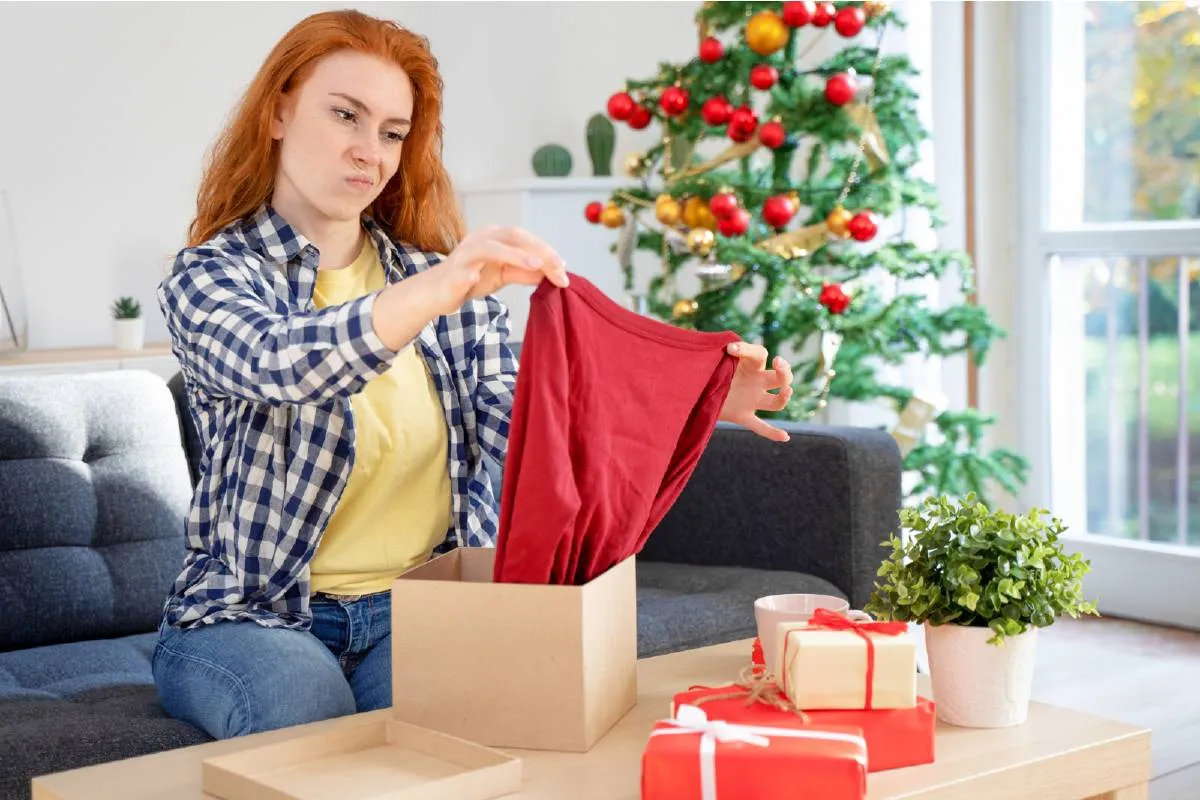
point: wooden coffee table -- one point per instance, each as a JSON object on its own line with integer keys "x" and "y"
{"x": 1057, "y": 755}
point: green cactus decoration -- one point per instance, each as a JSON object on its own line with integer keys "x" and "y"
{"x": 552, "y": 161}
{"x": 600, "y": 138}
{"x": 126, "y": 308}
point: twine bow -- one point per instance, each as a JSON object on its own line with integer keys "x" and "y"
{"x": 692, "y": 719}
{"x": 824, "y": 619}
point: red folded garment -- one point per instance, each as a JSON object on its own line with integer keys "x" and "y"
{"x": 611, "y": 412}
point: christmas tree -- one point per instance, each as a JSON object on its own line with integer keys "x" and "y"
{"x": 792, "y": 223}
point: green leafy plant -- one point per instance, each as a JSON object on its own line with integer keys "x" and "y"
{"x": 126, "y": 308}
{"x": 964, "y": 564}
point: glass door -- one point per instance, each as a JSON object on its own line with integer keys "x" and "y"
{"x": 1109, "y": 143}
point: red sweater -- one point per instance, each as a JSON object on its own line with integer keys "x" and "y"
{"x": 610, "y": 415}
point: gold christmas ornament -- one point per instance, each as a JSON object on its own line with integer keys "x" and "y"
{"x": 838, "y": 222}
{"x": 732, "y": 153}
{"x": 685, "y": 308}
{"x": 697, "y": 214}
{"x": 920, "y": 410}
{"x": 737, "y": 272}
{"x": 612, "y": 216}
{"x": 873, "y": 8}
{"x": 701, "y": 241}
{"x": 766, "y": 33}
{"x": 635, "y": 165}
{"x": 668, "y": 211}
{"x": 873, "y": 144}
{"x": 798, "y": 243}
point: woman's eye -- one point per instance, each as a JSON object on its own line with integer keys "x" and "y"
{"x": 345, "y": 114}
{"x": 395, "y": 136}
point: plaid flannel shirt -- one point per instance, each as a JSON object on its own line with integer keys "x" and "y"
{"x": 269, "y": 379}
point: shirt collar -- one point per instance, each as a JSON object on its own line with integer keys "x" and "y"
{"x": 279, "y": 241}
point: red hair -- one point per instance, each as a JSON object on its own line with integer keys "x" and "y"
{"x": 417, "y": 206}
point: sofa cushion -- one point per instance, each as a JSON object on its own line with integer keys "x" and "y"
{"x": 96, "y": 493}
{"x": 72, "y": 705}
{"x": 682, "y": 606}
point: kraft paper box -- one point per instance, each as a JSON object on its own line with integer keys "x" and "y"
{"x": 363, "y": 757}
{"x": 540, "y": 667}
{"x": 829, "y": 669}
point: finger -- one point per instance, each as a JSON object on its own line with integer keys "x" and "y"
{"x": 554, "y": 264}
{"x": 767, "y": 431}
{"x": 785, "y": 369}
{"x": 503, "y": 254}
{"x": 753, "y": 354}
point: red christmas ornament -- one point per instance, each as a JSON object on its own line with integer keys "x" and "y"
{"x": 840, "y": 89}
{"x": 711, "y": 50}
{"x": 592, "y": 212}
{"x": 640, "y": 118}
{"x": 863, "y": 226}
{"x": 798, "y": 14}
{"x": 764, "y": 76}
{"x": 823, "y": 15}
{"x": 620, "y": 106}
{"x": 735, "y": 224}
{"x": 772, "y": 135}
{"x": 778, "y": 210}
{"x": 716, "y": 110}
{"x": 834, "y": 299}
{"x": 850, "y": 20}
{"x": 674, "y": 100}
{"x": 742, "y": 124}
{"x": 723, "y": 205}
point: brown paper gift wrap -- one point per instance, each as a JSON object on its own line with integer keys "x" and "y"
{"x": 832, "y": 662}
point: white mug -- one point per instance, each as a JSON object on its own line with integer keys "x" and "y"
{"x": 771, "y": 610}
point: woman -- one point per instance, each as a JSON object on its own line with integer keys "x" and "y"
{"x": 345, "y": 375}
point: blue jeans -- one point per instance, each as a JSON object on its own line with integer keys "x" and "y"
{"x": 235, "y": 678}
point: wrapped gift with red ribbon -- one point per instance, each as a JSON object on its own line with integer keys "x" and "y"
{"x": 895, "y": 737}
{"x": 690, "y": 757}
{"x": 833, "y": 662}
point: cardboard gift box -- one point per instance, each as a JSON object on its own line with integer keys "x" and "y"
{"x": 365, "y": 758}
{"x": 831, "y": 662}
{"x": 530, "y": 666}
{"x": 690, "y": 757}
{"x": 895, "y": 737}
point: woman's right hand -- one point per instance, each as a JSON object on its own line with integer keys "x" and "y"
{"x": 490, "y": 259}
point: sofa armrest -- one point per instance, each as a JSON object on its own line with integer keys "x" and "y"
{"x": 822, "y": 503}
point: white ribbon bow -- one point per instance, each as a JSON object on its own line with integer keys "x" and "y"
{"x": 692, "y": 719}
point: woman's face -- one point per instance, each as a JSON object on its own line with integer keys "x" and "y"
{"x": 340, "y": 137}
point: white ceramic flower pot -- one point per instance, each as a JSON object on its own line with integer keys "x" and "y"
{"x": 976, "y": 684}
{"x": 129, "y": 334}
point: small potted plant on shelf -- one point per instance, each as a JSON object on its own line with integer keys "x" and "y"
{"x": 129, "y": 329}
{"x": 982, "y": 582}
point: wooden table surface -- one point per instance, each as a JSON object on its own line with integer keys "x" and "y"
{"x": 1057, "y": 755}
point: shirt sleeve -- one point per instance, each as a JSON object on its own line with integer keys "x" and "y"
{"x": 235, "y": 343}
{"x": 496, "y": 371}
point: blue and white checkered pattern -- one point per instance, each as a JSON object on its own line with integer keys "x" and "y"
{"x": 269, "y": 380}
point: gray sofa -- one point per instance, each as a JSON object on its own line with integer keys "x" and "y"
{"x": 95, "y": 478}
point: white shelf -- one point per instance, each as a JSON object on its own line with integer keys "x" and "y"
{"x": 550, "y": 185}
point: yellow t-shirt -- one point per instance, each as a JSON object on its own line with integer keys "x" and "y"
{"x": 396, "y": 506}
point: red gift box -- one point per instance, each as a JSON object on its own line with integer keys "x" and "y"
{"x": 693, "y": 758}
{"x": 896, "y": 737}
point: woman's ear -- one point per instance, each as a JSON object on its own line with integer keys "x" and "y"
{"x": 282, "y": 116}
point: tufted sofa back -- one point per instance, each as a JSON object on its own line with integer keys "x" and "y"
{"x": 94, "y": 490}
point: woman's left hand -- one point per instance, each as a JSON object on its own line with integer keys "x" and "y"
{"x": 753, "y": 387}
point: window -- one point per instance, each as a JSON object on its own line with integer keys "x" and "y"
{"x": 1114, "y": 237}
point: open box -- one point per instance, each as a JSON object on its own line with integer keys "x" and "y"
{"x": 541, "y": 667}
{"x": 373, "y": 758}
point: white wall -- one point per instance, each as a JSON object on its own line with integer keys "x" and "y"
{"x": 113, "y": 106}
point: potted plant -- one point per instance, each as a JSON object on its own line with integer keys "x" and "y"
{"x": 129, "y": 328}
{"x": 981, "y": 582}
